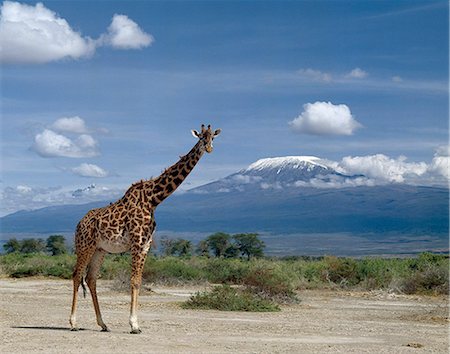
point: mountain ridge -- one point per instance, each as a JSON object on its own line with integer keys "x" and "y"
{"x": 276, "y": 195}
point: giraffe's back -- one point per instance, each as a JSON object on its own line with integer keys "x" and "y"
{"x": 85, "y": 235}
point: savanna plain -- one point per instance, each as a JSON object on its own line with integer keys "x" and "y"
{"x": 319, "y": 305}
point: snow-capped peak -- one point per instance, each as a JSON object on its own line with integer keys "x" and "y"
{"x": 286, "y": 161}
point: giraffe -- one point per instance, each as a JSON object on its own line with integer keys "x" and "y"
{"x": 129, "y": 225}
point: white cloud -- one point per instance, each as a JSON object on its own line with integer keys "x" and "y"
{"x": 397, "y": 79}
{"x": 89, "y": 170}
{"x": 315, "y": 75}
{"x": 86, "y": 142}
{"x": 70, "y": 125}
{"x": 37, "y": 35}
{"x": 51, "y": 144}
{"x": 336, "y": 181}
{"x": 381, "y": 168}
{"x": 245, "y": 179}
{"x": 357, "y": 73}
{"x": 440, "y": 164}
{"x": 124, "y": 33}
{"x": 265, "y": 185}
{"x": 27, "y": 197}
{"x": 23, "y": 189}
{"x": 325, "y": 118}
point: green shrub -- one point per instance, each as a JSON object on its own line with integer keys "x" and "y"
{"x": 270, "y": 282}
{"x": 274, "y": 278}
{"x": 226, "y": 271}
{"x": 433, "y": 280}
{"x": 226, "y": 298}
{"x": 171, "y": 270}
{"x": 375, "y": 273}
{"x": 341, "y": 271}
{"x": 115, "y": 265}
{"x": 310, "y": 272}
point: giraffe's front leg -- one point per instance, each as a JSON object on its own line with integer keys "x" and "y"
{"x": 138, "y": 261}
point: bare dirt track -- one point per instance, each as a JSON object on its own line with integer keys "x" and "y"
{"x": 34, "y": 319}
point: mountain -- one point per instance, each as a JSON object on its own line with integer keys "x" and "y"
{"x": 277, "y": 172}
{"x": 279, "y": 195}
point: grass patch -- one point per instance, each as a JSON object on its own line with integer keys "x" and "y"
{"x": 275, "y": 279}
{"x": 226, "y": 298}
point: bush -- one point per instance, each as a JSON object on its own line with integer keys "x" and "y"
{"x": 171, "y": 270}
{"x": 272, "y": 278}
{"x": 271, "y": 283}
{"x": 227, "y": 271}
{"x": 341, "y": 271}
{"x": 434, "y": 280}
{"x": 115, "y": 265}
{"x": 226, "y": 298}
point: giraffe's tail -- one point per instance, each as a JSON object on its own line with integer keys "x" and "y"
{"x": 83, "y": 285}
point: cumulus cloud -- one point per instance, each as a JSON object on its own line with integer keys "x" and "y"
{"x": 89, "y": 170}
{"x": 379, "y": 169}
{"x": 382, "y": 168}
{"x": 66, "y": 137}
{"x": 441, "y": 162}
{"x": 70, "y": 125}
{"x": 336, "y": 181}
{"x": 357, "y": 73}
{"x": 245, "y": 179}
{"x": 51, "y": 144}
{"x": 23, "y": 197}
{"x": 124, "y": 33}
{"x": 315, "y": 75}
{"x": 24, "y": 189}
{"x": 325, "y": 118}
{"x": 37, "y": 35}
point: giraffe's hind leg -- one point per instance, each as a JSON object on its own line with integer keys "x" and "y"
{"x": 83, "y": 259}
{"x": 91, "y": 280}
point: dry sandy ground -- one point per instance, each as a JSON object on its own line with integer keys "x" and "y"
{"x": 34, "y": 319}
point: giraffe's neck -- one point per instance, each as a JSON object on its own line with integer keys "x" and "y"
{"x": 172, "y": 177}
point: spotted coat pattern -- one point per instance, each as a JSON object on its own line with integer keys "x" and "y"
{"x": 129, "y": 225}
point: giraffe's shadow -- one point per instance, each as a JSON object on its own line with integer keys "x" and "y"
{"x": 49, "y": 328}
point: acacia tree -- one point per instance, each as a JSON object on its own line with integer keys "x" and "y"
{"x": 203, "y": 248}
{"x": 12, "y": 246}
{"x": 176, "y": 247}
{"x": 218, "y": 243}
{"x": 56, "y": 245}
{"x": 32, "y": 245}
{"x": 249, "y": 245}
{"x": 183, "y": 247}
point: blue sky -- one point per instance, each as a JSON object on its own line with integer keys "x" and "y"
{"x": 334, "y": 79}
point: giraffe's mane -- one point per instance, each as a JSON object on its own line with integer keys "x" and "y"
{"x": 137, "y": 184}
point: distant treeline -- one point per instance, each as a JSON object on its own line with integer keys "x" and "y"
{"x": 219, "y": 244}
{"x": 53, "y": 245}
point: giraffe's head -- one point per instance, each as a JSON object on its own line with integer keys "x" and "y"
{"x": 206, "y": 136}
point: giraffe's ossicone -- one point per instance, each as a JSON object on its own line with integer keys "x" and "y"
{"x": 128, "y": 225}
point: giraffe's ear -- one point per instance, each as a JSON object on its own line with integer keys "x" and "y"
{"x": 195, "y": 134}
{"x": 217, "y": 132}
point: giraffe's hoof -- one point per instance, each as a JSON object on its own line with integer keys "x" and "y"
{"x": 105, "y": 329}
{"x": 74, "y": 329}
{"x": 136, "y": 331}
